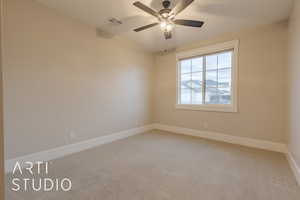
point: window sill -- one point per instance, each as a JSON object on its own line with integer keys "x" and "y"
{"x": 209, "y": 108}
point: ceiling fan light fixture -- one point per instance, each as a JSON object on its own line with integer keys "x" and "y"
{"x": 165, "y": 15}
{"x": 163, "y": 24}
{"x": 169, "y": 27}
{"x": 166, "y": 26}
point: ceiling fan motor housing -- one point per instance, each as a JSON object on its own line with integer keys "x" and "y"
{"x": 166, "y": 3}
{"x": 164, "y": 12}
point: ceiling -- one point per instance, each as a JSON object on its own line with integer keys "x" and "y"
{"x": 220, "y": 16}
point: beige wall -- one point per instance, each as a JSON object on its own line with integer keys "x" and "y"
{"x": 1, "y": 113}
{"x": 293, "y": 80}
{"x": 59, "y": 78}
{"x": 262, "y": 61}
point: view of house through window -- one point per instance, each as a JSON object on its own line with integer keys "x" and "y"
{"x": 206, "y": 79}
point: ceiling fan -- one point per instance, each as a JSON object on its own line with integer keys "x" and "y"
{"x": 166, "y": 17}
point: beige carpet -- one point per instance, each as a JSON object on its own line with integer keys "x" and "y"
{"x": 164, "y": 166}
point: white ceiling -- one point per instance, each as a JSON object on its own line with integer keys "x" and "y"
{"x": 220, "y": 16}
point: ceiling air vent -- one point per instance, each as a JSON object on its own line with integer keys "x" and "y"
{"x": 115, "y": 21}
{"x": 166, "y": 51}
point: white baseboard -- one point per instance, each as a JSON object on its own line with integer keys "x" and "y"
{"x": 77, "y": 147}
{"x": 294, "y": 166}
{"x": 73, "y": 148}
{"x": 261, "y": 144}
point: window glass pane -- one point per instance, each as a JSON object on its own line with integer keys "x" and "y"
{"x": 224, "y": 59}
{"x": 211, "y": 96}
{"x": 224, "y": 77}
{"x": 186, "y": 81}
{"x": 197, "y": 96}
{"x": 224, "y": 95}
{"x": 217, "y": 73}
{"x": 197, "y": 80}
{"x": 211, "y": 62}
{"x": 211, "y": 78}
{"x": 185, "y": 66}
{"x": 185, "y": 97}
{"x": 197, "y": 64}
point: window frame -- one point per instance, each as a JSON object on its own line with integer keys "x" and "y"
{"x": 203, "y": 51}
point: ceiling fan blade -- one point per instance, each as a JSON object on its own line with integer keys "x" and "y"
{"x": 181, "y": 6}
{"x": 145, "y": 27}
{"x": 146, "y": 8}
{"x": 191, "y": 23}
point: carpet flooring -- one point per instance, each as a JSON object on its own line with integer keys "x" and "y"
{"x": 165, "y": 166}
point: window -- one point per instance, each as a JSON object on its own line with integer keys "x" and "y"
{"x": 207, "y": 78}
